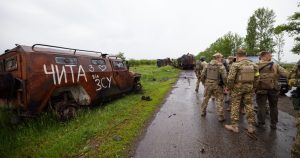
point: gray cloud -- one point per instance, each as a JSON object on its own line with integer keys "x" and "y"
{"x": 141, "y": 29}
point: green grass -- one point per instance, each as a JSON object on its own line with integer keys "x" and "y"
{"x": 94, "y": 132}
{"x": 133, "y": 62}
{"x": 288, "y": 67}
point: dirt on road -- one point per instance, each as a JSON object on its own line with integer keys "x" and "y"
{"x": 285, "y": 104}
{"x": 178, "y": 130}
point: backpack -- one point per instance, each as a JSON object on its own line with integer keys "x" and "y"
{"x": 267, "y": 79}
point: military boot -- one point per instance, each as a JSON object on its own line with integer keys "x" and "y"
{"x": 260, "y": 125}
{"x": 273, "y": 126}
{"x": 203, "y": 113}
{"x": 233, "y": 128}
{"x": 251, "y": 129}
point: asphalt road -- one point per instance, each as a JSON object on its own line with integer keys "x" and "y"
{"x": 178, "y": 130}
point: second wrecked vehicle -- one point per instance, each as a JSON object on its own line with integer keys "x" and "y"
{"x": 187, "y": 61}
{"x": 35, "y": 77}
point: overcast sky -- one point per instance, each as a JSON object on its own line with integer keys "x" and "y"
{"x": 140, "y": 29}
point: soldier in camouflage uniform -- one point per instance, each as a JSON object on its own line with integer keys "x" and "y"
{"x": 212, "y": 74}
{"x": 295, "y": 77}
{"x": 268, "y": 88}
{"x": 199, "y": 67}
{"x": 230, "y": 61}
{"x": 242, "y": 80}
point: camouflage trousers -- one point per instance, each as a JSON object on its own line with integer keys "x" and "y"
{"x": 216, "y": 91}
{"x": 296, "y": 147}
{"x": 236, "y": 97}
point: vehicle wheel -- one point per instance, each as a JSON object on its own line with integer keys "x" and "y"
{"x": 137, "y": 87}
{"x": 7, "y": 85}
{"x": 66, "y": 111}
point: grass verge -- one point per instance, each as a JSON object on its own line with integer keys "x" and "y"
{"x": 106, "y": 131}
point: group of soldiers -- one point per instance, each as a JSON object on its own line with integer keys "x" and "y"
{"x": 242, "y": 80}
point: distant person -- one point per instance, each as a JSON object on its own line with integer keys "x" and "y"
{"x": 212, "y": 75}
{"x": 242, "y": 80}
{"x": 231, "y": 60}
{"x": 294, "y": 75}
{"x": 198, "y": 69}
{"x": 226, "y": 64}
{"x": 295, "y": 78}
{"x": 268, "y": 88}
{"x": 294, "y": 81}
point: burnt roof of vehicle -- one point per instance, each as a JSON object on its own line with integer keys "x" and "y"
{"x": 55, "y": 50}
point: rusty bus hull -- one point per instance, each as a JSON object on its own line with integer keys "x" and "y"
{"x": 42, "y": 75}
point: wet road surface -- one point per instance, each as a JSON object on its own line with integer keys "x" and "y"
{"x": 178, "y": 130}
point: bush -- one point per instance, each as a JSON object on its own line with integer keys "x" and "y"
{"x": 133, "y": 62}
{"x": 288, "y": 67}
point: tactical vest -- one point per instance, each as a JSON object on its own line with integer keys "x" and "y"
{"x": 246, "y": 74}
{"x": 212, "y": 72}
{"x": 297, "y": 77}
{"x": 267, "y": 79}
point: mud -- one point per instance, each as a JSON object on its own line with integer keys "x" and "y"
{"x": 178, "y": 130}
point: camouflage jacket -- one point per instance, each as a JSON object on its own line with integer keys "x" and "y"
{"x": 221, "y": 70}
{"x": 277, "y": 70}
{"x": 295, "y": 72}
{"x": 233, "y": 83}
{"x": 199, "y": 67}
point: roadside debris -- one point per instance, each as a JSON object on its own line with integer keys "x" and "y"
{"x": 147, "y": 98}
{"x": 171, "y": 115}
{"x": 252, "y": 136}
{"x": 117, "y": 138}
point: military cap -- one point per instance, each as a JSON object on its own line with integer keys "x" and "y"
{"x": 202, "y": 58}
{"x": 262, "y": 53}
{"x": 241, "y": 52}
{"x": 218, "y": 55}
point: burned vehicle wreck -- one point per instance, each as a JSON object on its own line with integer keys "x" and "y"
{"x": 186, "y": 61}
{"x": 39, "y": 76}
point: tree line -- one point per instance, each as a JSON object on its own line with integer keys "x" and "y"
{"x": 261, "y": 35}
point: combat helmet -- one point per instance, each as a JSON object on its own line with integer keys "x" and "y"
{"x": 202, "y": 58}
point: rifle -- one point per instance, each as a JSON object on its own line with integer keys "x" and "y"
{"x": 271, "y": 65}
{"x": 221, "y": 82}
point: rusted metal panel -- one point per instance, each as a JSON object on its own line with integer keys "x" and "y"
{"x": 43, "y": 75}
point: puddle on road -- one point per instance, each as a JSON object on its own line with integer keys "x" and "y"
{"x": 179, "y": 124}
